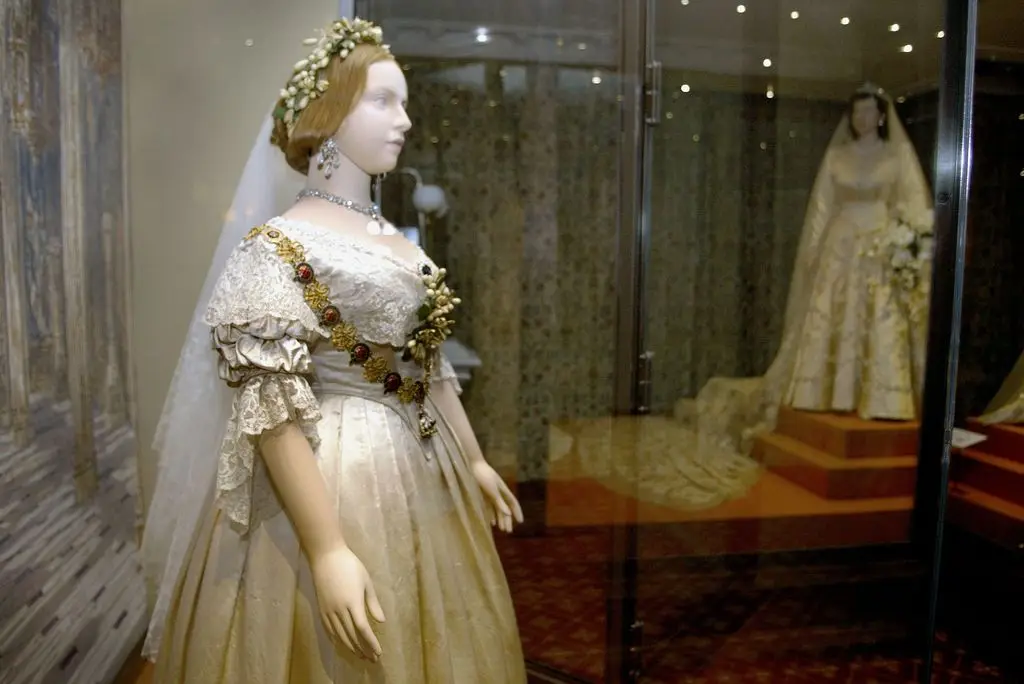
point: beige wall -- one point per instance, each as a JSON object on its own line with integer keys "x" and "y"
{"x": 196, "y": 95}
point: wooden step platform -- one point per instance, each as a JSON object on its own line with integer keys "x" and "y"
{"x": 986, "y": 495}
{"x": 988, "y": 516}
{"x": 833, "y": 477}
{"x": 1005, "y": 441}
{"x": 840, "y": 456}
{"x": 988, "y": 473}
{"x": 847, "y": 436}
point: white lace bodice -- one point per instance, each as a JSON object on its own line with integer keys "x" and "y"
{"x": 377, "y": 292}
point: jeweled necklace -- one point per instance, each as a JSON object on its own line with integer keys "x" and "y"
{"x": 376, "y": 226}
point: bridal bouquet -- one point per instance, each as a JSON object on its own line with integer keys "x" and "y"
{"x": 905, "y": 245}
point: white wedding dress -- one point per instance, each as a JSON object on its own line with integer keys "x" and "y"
{"x": 244, "y": 607}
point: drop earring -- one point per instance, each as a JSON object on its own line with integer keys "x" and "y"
{"x": 329, "y": 157}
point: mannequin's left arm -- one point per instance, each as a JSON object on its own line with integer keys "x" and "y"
{"x": 447, "y": 401}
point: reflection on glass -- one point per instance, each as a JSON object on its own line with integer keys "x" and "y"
{"x": 516, "y": 118}
{"x": 788, "y": 292}
{"x": 980, "y": 589}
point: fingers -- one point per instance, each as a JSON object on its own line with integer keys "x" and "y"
{"x": 367, "y": 639}
{"x": 510, "y": 498}
{"x": 335, "y": 628}
{"x": 373, "y": 604}
{"x": 354, "y": 636}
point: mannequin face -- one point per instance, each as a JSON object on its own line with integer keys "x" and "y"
{"x": 373, "y": 133}
{"x": 865, "y": 117}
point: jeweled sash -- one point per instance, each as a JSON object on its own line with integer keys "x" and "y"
{"x": 344, "y": 336}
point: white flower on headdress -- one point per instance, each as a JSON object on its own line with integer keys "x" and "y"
{"x": 306, "y": 84}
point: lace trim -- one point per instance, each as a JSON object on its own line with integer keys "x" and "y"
{"x": 335, "y": 239}
{"x": 265, "y": 402}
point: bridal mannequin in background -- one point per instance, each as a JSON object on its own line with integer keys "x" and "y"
{"x": 855, "y": 325}
{"x": 344, "y": 532}
{"x": 858, "y": 298}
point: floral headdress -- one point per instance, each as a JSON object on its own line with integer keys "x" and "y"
{"x": 306, "y": 84}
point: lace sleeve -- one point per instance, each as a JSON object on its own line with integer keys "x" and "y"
{"x": 261, "y": 330}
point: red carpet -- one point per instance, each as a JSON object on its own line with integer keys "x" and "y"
{"x": 718, "y": 621}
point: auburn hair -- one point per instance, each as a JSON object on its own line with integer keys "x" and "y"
{"x": 323, "y": 116}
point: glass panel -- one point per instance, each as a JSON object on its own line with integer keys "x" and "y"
{"x": 516, "y": 125}
{"x": 980, "y": 590}
{"x": 791, "y": 189}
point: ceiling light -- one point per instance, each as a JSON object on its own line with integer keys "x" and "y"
{"x": 901, "y": 99}
{"x": 482, "y": 36}
{"x": 581, "y": 46}
{"x": 940, "y": 34}
{"x": 844, "y": 21}
{"x": 767, "y": 62}
{"x": 894, "y": 27}
{"x": 770, "y": 93}
{"x": 741, "y": 8}
{"x": 794, "y": 15}
{"x": 685, "y": 88}
{"x": 596, "y": 79}
{"x": 907, "y": 48}
{"x": 684, "y": 3}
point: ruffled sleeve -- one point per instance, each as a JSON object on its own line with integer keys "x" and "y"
{"x": 262, "y": 330}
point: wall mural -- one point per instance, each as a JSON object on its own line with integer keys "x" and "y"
{"x": 73, "y": 603}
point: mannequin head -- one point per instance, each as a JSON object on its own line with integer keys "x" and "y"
{"x": 867, "y": 113}
{"x": 363, "y": 109}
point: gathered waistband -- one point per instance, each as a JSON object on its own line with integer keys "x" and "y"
{"x": 336, "y": 376}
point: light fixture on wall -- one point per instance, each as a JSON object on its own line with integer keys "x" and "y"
{"x": 429, "y": 200}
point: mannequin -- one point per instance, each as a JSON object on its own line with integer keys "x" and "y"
{"x": 346, "y": 538}
{"x": 861, "y": 340}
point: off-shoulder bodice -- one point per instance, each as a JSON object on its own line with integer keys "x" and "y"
{"x": 377, "y": 292}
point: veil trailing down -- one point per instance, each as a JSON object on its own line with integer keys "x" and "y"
{"x": 853, "y": 337}
{"x": 198, "y": 403}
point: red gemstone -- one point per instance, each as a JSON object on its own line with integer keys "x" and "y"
{"x": 360, "y": 353}
{"x": 392, "y": 382}
{"x": 330, "y": 315}
{"x": 304, "y": 272}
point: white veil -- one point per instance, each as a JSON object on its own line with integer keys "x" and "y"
{"x": 198, "y": 403}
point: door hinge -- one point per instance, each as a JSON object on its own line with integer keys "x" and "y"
{"x": 652, "y": 93}
{"x": 636, "y": 656}
{"x": 644, "y": 382}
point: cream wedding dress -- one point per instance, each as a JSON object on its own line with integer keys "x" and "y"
{"x": 244, "y": 608}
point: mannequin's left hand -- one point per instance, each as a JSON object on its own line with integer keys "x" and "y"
{"x": 502, "y": 506}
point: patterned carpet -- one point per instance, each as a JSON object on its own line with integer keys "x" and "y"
{"x": 726, "y": 621}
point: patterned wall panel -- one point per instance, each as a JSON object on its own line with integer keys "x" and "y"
{"x": 72, "y": 602}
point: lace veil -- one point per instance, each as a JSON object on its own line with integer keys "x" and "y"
{"x": 198, "y": 404}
